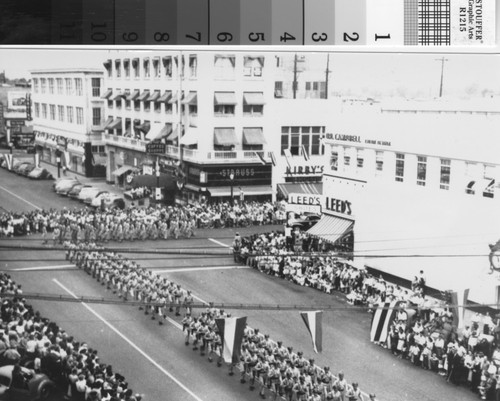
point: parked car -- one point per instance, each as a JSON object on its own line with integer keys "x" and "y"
{"x": 61, "y": 180}
{"x": 85, "y": 192}
{"x": 75, "y": 191}
{"x": 18, "y": 165}
{"x": 304, "y": 221}
{"x": 31, "y": 386}
{"x": 66, "y": 185}
{"x": 93, "y": 194}
{"x": 109, "y": 201}
{"x": 40, "y": 173}
{"x": 67, "y": 188}
{"x": 25, "y": 169}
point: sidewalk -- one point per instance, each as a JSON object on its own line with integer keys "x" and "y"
{"x": 95, "y": 182}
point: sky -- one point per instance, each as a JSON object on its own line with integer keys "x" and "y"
{"x": 368, "y": 74}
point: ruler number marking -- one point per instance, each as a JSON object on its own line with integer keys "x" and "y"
{"x": 286, "y": 37}
{"x": 377, "y": 36}
{"x": 161, "y": 37}
{"x": 98, "y": 36}
{"x": 224, "y": 37}
{"x": 130, "y": 36}
{"x": 351, "y": 38}
{"x": 319, "y": 38}
{"x": 256, "y": 36}
{"x": 197, "y": 38}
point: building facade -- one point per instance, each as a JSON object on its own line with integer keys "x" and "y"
{"x": 231, "y": 122}
{"x": 416, "y": 185}
{"x": 67, "y": 119}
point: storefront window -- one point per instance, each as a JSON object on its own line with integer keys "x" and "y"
{"x": 96, "y": 87}
{"x": 51, "y": 85}
{"x": 96, "y": 116}
{"x": 284, "y": 140}
{"x": 146, "y": 67}
{"x": 445, "y": 174}
{"x": 69, "y": 112}
{"x": 44, "y": 110}
{"x": 118, "y": 72}
{"x": 52, "y": 109}
{"x": 37, "y": 110}
{"x": 421, "y": 170}
{"x": 359, "y": 158}
{"x": 79, "y": 115}
{"x": 400, "y": 167}
{"x": 224, "y": 67}
{"x": 167, "y": 66}
{"x": 60, "y": 113}
{"x": 69, "y": 86}
{"x": 59, "y": 86}
{"x": 35, "y": 85}
{"x": 79, "y": 87}
{"x": 193, "y": 66}
{"x": 43, "y": 83}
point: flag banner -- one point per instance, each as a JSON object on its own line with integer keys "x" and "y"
{"x": 382, "y": 319}
{"x": 313, "y": 322}
{"x": 459, "y": 297}
{"x": 304, "y": 153}
{"x": 231, "y": 331}
{"x": 261, "y": 157}
{"x": 8, "y": 159}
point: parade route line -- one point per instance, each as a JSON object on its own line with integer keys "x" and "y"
{"x": 195, "y": 269}
{"x": 133, "y": 345}
{"x": 39, "y": 268}
{"x": 18, "y": 197}
{"x": 219, "y": 243}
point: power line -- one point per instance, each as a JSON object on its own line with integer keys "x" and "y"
{"x": 225, "y": 306}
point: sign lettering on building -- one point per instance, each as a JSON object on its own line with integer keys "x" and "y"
{"x": 340, "y": 206}
{"x": 156, "y": 148}
{"x": 306, "y": 170}
{"x": 304, "y": 203}
{"x": 355, "y": 139}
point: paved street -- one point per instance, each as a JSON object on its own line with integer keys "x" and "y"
{"x": 154, "y": 359}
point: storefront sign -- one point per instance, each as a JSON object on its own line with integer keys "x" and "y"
{"x": 147, "y": 169}
{"x": 304, "y": 170}
{"x": 340, "y": 206}
{"x": 62, "y": 141}
{"x": 304, "y": 203}
{"x": 156, "y": 148}
{"x": 220, "y": 176}
{"x": 355, "y": 139}
{"x": 15, "y": 125}
{"x": 16, "y": 101}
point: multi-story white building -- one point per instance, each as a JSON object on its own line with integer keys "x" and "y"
{"x": 67, "y": 118}
{"x": 224, "y": 115}
{"x": 416, "y": 184}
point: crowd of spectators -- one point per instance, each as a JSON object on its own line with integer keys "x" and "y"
{"x": 29, "y": 340}
{"x": 265, "y": 363}
{"x": 134, "y": 223}
{"x": 423, "y": 331}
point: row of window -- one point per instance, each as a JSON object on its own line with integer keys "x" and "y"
{"x": 65, "y": 113}
{"x": 421, "y": 177}
{"x": 65, "y": 86}
{"x": 300, "y": 90}
{"x": 224, "y": 102}
{"x": 302, "y": 140}
{"x": 168, "y": 66}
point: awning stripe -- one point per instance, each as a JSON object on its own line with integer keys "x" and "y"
{"x": 253, "y": 136}
{"x": 107, "y": 94}
{"x": 225, "y": 98}
{"x": 331, "y": 228}
{"x": 310, "y": 188}
{"x": 253, "y": 98}
{"x": 224, "y": 136}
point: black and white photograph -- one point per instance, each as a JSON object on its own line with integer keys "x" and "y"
{"x": 231, "y": 224}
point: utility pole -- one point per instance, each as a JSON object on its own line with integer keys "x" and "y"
{"x": 327, "y": 74}
{"x": 442, "y": 59}
{"x": 294, "y": 85}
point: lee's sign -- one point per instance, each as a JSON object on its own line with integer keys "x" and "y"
{"x": 304, "y": 170}
{"x": 301, "y": 203}
{"x": 337, "y": 206}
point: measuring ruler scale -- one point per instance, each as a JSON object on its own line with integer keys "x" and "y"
{"x": 249, "y": 22}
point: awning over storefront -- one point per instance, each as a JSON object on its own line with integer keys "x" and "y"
{"x": 165, "y": 97}
{"x": 224, "y": 136}
{"x": 253, "y": 98}
{"x": 159, "y": 131}
{"x": 144, "y": 95}
{"x": 122, "y": 170}
{"x": 118, "y": 96}
{"x": 173, "y": 134}
{"x": 480, "y": 185}
{"x": 107, "y": 94}
{"x": 154, "y": 96}
{"x": 248, "y": 190}
{"x": 191, "y": 99}
{"x": 331, "y": 228}
{"x": 315, "y": 188}
{"x": 151, "y": 181}
{"x": 106, "y": 123}
{"x": 144, "y": 127}
{"x": 117, "y": 123}
{"x": 189, "y": 138}
{"x": 174, "y": 98}
{"x": 253, "y": 136}
{"x": 134, "y": 95}
{"x": 228, "y": 98}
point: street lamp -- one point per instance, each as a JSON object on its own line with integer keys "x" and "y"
{"x": 231, "y": 179}
{"x": 11, "y": 146}
{"x": 58, "y": 160}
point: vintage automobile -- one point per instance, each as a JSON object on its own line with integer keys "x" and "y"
{"x": 109, "y": 201}
{"x": 65, "y": 185}
{"x": 25, "y": 169}
{"x": 75, "y": 191}
{"x": 304, "y": 222}
{"x": 40, "y": 173}
{"x": 30, "y": 387}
